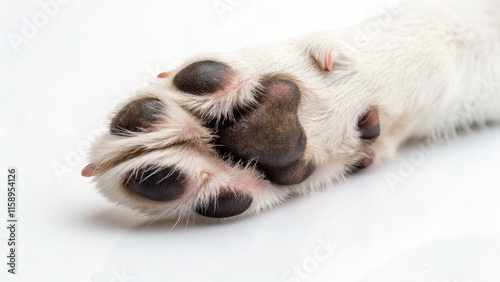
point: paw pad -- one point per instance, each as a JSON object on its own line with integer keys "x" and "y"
{"x": 270, "y": 134}
{"x": 137, "y": 116}
{"x": 369, "y": 125}
{"x": 157, "y": 184}
{"x": 225, "y": 204}
{"x": 203, "y": 77}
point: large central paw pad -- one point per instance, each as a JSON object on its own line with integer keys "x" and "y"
{"x": 270, "y": 134}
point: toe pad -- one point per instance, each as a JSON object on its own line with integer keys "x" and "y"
{"x": 226, "y": 204}
{"x": 157, "y": 184}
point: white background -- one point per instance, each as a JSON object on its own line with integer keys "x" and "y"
{"x": 439, "y": 222}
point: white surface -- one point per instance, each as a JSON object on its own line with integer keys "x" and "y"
{"x": 439, "y": 222}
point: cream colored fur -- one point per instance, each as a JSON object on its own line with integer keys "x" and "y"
{"x": 432, "y": 70}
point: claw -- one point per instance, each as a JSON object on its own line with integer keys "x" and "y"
{"x": 163, "y": 75}
{"x": 88, "y": 171}
{"x": 326, "y": 64}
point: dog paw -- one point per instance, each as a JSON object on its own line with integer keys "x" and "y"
{"x": 265, "y": 130}
{"x": 216, "y": 140}
{"x": 165, "y": 156}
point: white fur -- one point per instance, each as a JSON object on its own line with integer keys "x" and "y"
{"x": 432, "y": 70}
